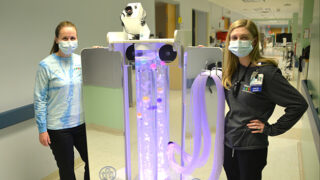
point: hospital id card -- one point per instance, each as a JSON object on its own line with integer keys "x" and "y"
{"x": 256, "y": 83}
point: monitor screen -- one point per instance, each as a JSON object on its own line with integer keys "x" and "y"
{"x": 280, "y": 36}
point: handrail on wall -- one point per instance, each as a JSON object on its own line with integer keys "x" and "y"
{"x": 17, "y": 115}
{"x": 312, "y": 116}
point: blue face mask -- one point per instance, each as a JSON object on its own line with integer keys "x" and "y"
{"x": 68, "y": 47}
{"x": 240, "y": 48}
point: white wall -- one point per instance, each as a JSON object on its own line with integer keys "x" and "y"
{"x": 216, "y": 14}
{"x": 21, "y": 154}
{"x": 235, "y": 16}
{"x": 27, "y": 33}
{"x": 186, "y": 7}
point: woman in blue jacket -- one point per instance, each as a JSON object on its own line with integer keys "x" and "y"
{"x": 58, "y": 102}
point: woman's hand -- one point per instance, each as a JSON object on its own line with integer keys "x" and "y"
{"x": 44, "y": 138}
{"x": 256, "y": 126}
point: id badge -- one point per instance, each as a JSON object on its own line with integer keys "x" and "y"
{"x": 256, "y": 83}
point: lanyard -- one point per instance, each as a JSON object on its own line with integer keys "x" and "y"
{"x": 236, "y": 85}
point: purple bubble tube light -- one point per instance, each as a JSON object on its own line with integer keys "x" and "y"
{"x": 152, "y": 91}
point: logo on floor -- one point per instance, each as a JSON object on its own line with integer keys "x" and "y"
{"x": 107, "y": 173}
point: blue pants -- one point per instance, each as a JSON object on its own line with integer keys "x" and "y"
{"x": 62, "y": 143}
{"x": 244, "y": 164}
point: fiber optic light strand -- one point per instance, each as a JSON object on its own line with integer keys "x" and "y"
{"x": 200, "y": 123}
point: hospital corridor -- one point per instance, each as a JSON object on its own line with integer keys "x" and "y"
{"x": 160, "y": 90}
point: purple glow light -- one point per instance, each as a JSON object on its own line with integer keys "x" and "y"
{"x": 201, "y": 124}
{"x": 153, "y": 66}
{"x": 152, "y": 87}
{"x": 218, "y": 155}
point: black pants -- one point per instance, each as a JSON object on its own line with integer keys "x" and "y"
{"x": 62, "y": 142}
{"x": 244, "y": 164}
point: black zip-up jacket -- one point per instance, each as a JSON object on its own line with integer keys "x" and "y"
{"x": 248, "y": 106}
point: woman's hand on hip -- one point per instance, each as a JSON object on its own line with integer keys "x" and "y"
{"x": 256, "y": 126}
{"x": 44, "y": 138}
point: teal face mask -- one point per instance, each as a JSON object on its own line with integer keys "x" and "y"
{"x": 68, "y": 47}
{"x": 240, "y": 48}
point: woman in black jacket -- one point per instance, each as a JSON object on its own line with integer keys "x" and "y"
{"x": 253, "y": 87}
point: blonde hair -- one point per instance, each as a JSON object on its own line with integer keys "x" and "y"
{"x": 230, "y": 62}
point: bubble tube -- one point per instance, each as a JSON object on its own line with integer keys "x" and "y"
{"x": 200, "y": 123}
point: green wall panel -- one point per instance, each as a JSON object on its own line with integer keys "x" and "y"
{"x": 294, "y": 30}
{"x": 314, "y": 60}
{"x": 103, "y": 106}
{"x": 306, "y": 21}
